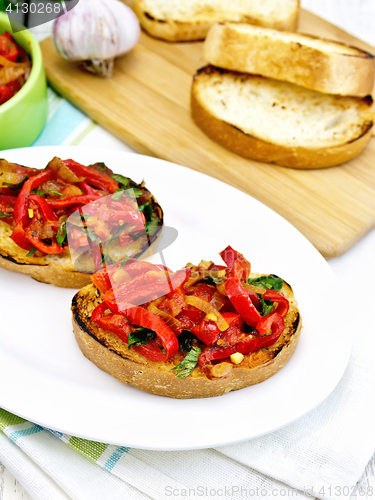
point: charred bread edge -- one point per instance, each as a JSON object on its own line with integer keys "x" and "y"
{"x": 54, "y": 274}
{"x": 179, "y": 31}
{"x": 165, "y": 383}
{"x": 248, "y": 146}
{"x": 332, "y": 73}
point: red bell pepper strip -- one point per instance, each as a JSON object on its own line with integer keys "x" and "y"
{"x": 19, "y": 237}
{"x": 103, "y": 278}
{"x": 113, "y": 322}
{"x": 207, "y": 331}
{"x": 93, "y": 177}
{"x": 282, "y": 302}
{"x": 270, "y": 328}
{"x": 74, "y": 200}
{"x": 45, "y": 209}
{"x": 87, "y": 189}
{"x": 240, "y": 300}
{"x": 5, "y": 93}
{"x": 231, "y": 256}
{"x": 53, "y": 248}
{"x": 22, "y": 205}
{"x": 138, "y": 316}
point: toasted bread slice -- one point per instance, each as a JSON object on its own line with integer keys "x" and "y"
{"x": 273, "y": 121}
{"x": 113, "y": 356}
{"x": 64, "y": 271}
{"x": 186, "y": 20}
{"x": 323, "y": 65}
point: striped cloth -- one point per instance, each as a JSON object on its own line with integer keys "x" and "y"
{"x": 322, "y": 454}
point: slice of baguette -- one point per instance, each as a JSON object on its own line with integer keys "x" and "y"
{"x": 112, "y": 355}
{"x": 60, "y": 270}
{"x": 318, "y": 64}
{"x": 273, "y": 121}
{"x": 186, "y": 20}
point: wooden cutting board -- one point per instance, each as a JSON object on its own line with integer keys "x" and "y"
{"x": 146, "y": 103}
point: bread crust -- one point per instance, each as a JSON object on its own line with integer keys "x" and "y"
{"x": 111, "y": 355}
{"x": 178, "y": 31}
{"x": 332, "y": 67}
{"x": 248, "y": 146}
{"x": 59, "y": 270}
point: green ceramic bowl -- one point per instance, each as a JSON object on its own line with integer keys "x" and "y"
{"x": 23, "y": 117}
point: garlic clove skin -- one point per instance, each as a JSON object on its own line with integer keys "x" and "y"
{"x": 96, "y": 30}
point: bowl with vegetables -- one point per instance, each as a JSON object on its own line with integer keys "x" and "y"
{"x": 23, "y": 88}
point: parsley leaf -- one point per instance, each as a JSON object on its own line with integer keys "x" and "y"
{"x": 140, "y": 337}
{"x": 271, "y": 282}
{"x": 188, "y": 364}
{"x": 152, "y": 226}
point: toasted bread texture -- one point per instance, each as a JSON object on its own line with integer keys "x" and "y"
{"x": 323, "y": 65}
{"x": 273, "y": 121}
{"x": 62, "y": 270}
{"x": 186, "y": 20}
{"x": 112, "y": 355}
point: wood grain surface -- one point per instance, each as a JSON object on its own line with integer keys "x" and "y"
{"x": 147, "y": 104}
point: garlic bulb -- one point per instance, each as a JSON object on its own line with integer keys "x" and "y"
{"x": 95, "y": 32}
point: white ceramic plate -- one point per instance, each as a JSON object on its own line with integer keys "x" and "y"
{"x": 45, "y": 378}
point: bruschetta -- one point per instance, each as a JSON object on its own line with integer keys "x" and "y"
{"x": 199, "y": 332}
{"x": 61, "y": 223}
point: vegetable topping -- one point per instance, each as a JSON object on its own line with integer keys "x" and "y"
{"x": 86, "y": 208}
{"x": 203, "y": 317}
{"x": 15, "y": 67}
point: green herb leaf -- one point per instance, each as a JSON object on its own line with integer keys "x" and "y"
{"x": 271, "y": 282}
{"x": 117, "y": 195}
{"x": 43, "y": 193}
{"x": 146, "y": 208}
{"x": 211, "y": 280}
{"x": 137, "y": 192}
{"x": 32, "y": 251}
{"x": 123, "y": 182}
{"x": 152, "y": 226}
{"x": 4, "y": 216}
{"x": 140, "y": 337}
{"x": 61, "y": 234}
{"x": 186, "y": 340}
{"x": 188, "y": 364}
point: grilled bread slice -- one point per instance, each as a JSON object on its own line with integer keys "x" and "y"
{"x": 186, "y": 20}
{"x": 273, "y": 121}
{"x": 113, "y": 356}
{"x": 323, "y": 65}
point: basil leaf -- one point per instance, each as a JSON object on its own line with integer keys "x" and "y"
{"x": 211, "y": 280}
{"x": 266, "y": 306}
{"x": 152, "y": 226}
{"x": 123, "y": 182}
{"x": 146, "y": 208}
{"x": 271, "y": 282}
{"x": 137, "y": 192}
{"x": 42, "y": 193}
{"x": 4, "y": 216}
{"x": 117, "y": 195}
{"x": 188, "y": 364}
{"x": 140, "y": 337}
